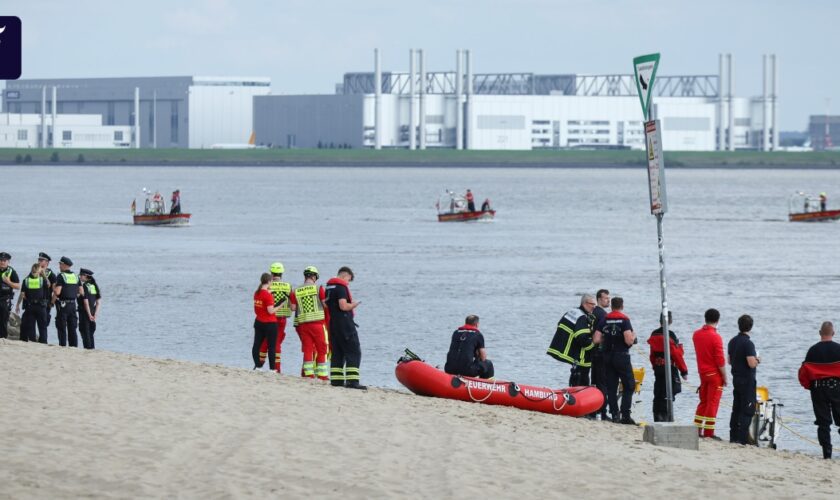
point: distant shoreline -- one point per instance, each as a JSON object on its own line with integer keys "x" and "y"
{"x": 401, "y": 158}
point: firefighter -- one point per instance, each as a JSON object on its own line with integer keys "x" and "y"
{"x": 467, "y": 355}
{"x": 820, "y": 374}
{"x": 572, "y": 342}
{"x": 64, "y": 295}
{"x": 617, "y": 338}
{"x": 599, "y": 376}
{"x": 281, "y": 291}
{"x": 743, "y": 359}
{"x": 344, "y": 337}
{"x": 307, "y": 302}
{"x": 711, "y": 365}
{"x": 678, "y": 369}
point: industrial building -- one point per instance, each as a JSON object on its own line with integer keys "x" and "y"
{"x": 519, "y": 111}
{"x": 824, "y": 131}
{"x": 174, "y": 112}
{"x": 19, "y": 130}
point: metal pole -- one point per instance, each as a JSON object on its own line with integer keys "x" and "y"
{"x": 412, "y": 115}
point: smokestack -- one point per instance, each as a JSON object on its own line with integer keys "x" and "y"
{"x": 721, "y": 118}
{"x": 44, "y": 116}
{"x": 54, "y": 112}
{"x": 730, "y": 114}
{"x": 773, "y": 99}
{"x": 377, "y": 101}
{"x": 467, "y": 120}
{"x": 422, "y": 99}
{"x": 136, "y": 117}
{"x": 459, "y": 110}
{"x": 412, "y": 116}
{"x": 764, "y": 127}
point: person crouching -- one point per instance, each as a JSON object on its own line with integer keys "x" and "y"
{"x": 467, "y": 355}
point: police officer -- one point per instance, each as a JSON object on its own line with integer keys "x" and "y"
{"x": 344, "y": 338}
{"x": 820, "y": 374}
{"x": 467, "y": 355}
{"x": 9, "y": 282}
{"x": 44, "y": 260}
{"x": 65, "y": 291}
{"x": 90, "y": 300}
{"x": 743, "y": 360}
{"x": 599, "y": 376}
{"x": 618, "y": 337}
{"x": 35, "y": 295}
{"x": 572, "y": 342}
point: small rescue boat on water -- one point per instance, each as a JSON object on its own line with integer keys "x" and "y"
{"x": 425, "y": 380}
{"x": 154, "y": 211}
{"x": 454, "y": 208}
{"x": 813, "y": 208}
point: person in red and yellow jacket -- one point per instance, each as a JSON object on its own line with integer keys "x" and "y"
{"x": 711, "y": 365}
{"x": 820, "y": 374}
{"x": 281, "y": 291}
{"x": 307, "y": 301}
{"x": 657, "y": 360}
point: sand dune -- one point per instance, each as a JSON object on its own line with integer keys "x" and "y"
{"x": 104, "y": 424}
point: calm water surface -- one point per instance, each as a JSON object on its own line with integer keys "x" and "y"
{"x": 185, "y": 293}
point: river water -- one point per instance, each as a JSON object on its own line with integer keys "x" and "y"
{"x": 185, "y": 293}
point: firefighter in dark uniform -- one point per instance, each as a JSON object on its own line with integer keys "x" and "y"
{"x": 599, "y": 375}
{"x": 44, "y": 260}
{"x": 65, "y": 291}
{"x": 572, "y": 342}
{"x": 35, "y": 295}
{"x": 618, "y": 337}
{"x": 743, "y": 360}
{"x": 467, "y": 355}
{"x": 90, "y": 300}
{"x": 820, "y": 374}
{"x": 9, "y": 282}
{"x": 344, "y": 338}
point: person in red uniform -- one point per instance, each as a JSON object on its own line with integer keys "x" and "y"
{"x": 470, "y": 201}
{"x": 711, "y": 365}
{"x": 820, "y": 374}
{"x": 265, "y": 324}
{"x": 307, "y": 301}
{"x": 657, "y": 360}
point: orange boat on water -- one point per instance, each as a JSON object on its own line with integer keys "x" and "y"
{"x": 155, "y": 214}
{"x": 814, "y": 209}
{"x": 425, "y": 380}
{"x": 454, "y": 208}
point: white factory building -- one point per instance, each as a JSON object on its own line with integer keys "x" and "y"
{"x": 519, "y": 111}
{"x": 19, "y": 130}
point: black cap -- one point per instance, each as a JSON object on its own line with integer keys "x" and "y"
{"x": 86, "y": 272}
{"x": 5, "y": 256}
{"x": 44, "y": 256}
{"x": 66, "y": 261}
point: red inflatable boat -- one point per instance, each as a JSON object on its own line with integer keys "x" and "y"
{"x": 426, "y": 380}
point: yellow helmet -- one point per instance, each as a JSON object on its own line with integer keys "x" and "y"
{"x": 310, "y": 270}
{"x": 277, "y": 268}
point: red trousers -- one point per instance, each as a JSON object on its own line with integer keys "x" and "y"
{"x": 314, "y": 343}
{"x": 281, "y": 335}
{"x": 711, "y": 389}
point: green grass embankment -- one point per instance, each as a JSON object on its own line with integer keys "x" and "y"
{"x": 402, "y": 157}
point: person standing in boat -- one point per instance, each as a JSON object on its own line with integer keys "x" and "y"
{"x": 657, "y": 360}
{"x": 470, "y": 201}
{"x": 265, "y": 323}
{"x": 820, "y": 374}
{"x": 467, "y": 355}
{"x": 572, "y": 342}
{"x": 617, "y": 338}
{"x": 743, "y": 359}
{"x": 823, "y": 201}
{"x": 90, "y": 300}
{"x": 344, "y": 336}
{"x": 711, "y": 365}
{"x": 175, "y": 207}
{"x": 485, "y": 207}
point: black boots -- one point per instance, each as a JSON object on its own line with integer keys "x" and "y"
{"x": 355, "y": 385}
{"x": 827, "y": 452}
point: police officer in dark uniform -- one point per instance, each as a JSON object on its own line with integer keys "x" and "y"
{"x": 65, "y": 291}
{"x": 344, "y": 338}
{"x": 599, "y": 375}
{"x": 35, "y": 295}
{"x": 467, "y": 355}
{"x": 44, "y": 260}
{"x": 820, "y": 373}
{"x": 9, "y": 282}
{"x": 618, "y": 337}
{"x": 90, "y": 299}
{"x": 743, "y": 360}
{"x": 572, "y": 341}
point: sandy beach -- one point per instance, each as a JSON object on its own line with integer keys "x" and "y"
{"x": 102, "y": 424}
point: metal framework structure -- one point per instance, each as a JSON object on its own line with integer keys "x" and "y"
{"x": 531, "y": 84}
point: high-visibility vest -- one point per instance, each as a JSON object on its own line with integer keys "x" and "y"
{"x": 281, "y": 290}
{"x": 71, "y": 286}
{"x": 572, "y": 342}
{"x": 34, "y": 288}
{"x": 90, "y": 294}
{"x": 309, "y": 306}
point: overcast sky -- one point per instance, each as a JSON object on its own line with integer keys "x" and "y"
{"x": 305, "y": 46}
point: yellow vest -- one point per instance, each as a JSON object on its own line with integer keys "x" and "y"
{"x": 309, "y": 307}
{"x": 281, "y": 290}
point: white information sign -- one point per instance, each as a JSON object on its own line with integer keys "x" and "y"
{"x": 656, "y": 168}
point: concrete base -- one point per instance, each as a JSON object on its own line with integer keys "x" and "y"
{"x": 671, "y": 435}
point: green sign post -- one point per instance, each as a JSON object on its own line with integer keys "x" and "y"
{"x": 644, "y": 70}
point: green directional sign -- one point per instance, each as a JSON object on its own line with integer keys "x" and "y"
{"x": 644, "y": 68}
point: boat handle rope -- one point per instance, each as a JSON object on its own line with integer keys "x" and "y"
{"x": 469, "y": 391}
{"x": 553, "y": 396}
{"x": 726, "y": 404}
